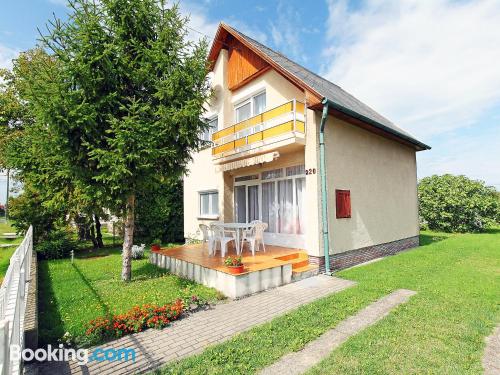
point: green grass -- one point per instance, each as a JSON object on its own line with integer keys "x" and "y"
{"x": 7, "y": 228}
{"x": 6, "y": 252}
{"x": 440, "y": 330}
{"x": 70, "y": 295}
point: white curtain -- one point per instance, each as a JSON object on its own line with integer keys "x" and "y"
{"x": 253, "y": 202}
{"x": 300, "y": 190}
{"x": 240, "y": 204}
{"x": 269, "y": 205}
{"x": 285, "y": 199}
{"x": 259, "y": 104}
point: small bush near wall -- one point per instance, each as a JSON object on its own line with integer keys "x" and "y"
{"x": 457, "y": 204}
{"x": 58, "y": 244}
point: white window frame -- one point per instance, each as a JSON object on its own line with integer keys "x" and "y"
{"x": 250, "y": 100}
{"x": 210, "y": 215}
{"x": 259, "y": 182}
{"x": 210, "y": 130}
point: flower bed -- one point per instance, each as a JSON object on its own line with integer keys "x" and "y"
{"x": 138, "y": 319}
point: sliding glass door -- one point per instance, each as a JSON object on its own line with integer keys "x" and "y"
{"x": 277, "y": 198}
{"x": 246, "y": 203}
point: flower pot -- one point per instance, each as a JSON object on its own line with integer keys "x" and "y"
{"x": 236, "y": 269}
{"x": 155, "y": 247}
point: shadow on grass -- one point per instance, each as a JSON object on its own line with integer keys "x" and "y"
{"x": 428, "y": 238}
{"x": 495, "y": 230}
{"x": 50, "y": 321}
{"x": 96, "y": 253}
{"x": 92, "y": 290}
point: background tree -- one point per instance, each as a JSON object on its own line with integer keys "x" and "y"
{"x": 125, "y": 105}
{"x": 457, "y": 203}
{"x": 30, "y": 147}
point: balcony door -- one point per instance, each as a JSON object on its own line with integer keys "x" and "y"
{"x": 277, "y": 198}
{"x": 247, "y": 202}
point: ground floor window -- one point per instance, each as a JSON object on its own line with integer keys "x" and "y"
{"x": 209, "y": 203}
{"x": 276, "y": 198}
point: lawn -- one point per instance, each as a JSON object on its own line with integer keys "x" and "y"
{"x": 6, "y": 252}
{"x": 440, "y": 330}
{"x": 70, "y": 295}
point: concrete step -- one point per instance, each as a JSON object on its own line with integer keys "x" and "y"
{"x": 304, "y": 272}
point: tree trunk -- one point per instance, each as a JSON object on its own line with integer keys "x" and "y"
{"x": 98, "y": 234}
{"x": 92, "y": 235}
{"x": 128, "y": 239}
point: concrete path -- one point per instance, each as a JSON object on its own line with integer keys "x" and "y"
{"x": 193, "y": 334}
{"x": 491, "y": 358}
{"x": 299, "y": 362}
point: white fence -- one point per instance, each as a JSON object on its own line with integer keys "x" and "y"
{"x": 13, "y": 295}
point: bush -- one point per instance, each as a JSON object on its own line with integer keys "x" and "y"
{"x": 457, "y": 204}
{"x": 138, "y": 251}
{"x": 28, "y": 209}
{"x": 57, "y": 245}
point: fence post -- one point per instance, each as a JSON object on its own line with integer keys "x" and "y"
{"x": 4, "y": 345}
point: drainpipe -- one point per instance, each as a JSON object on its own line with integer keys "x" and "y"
{"x": 324, "y": 195}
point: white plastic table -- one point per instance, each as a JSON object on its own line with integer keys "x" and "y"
{"x": 238, "y": 229}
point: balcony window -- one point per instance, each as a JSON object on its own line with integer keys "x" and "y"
{"x": 259, "y": 104}
{"x": 244, "y": 112}
{"x": 251, "y": 107}
{"x": 207, "y": 134}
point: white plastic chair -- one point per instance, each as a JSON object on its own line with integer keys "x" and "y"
{"x": 209, "y": 238}
{"x": 255, "y": 236}
{"x": 223, "y": 236}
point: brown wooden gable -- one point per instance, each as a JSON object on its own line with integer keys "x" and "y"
{"x": 243, "y": 64}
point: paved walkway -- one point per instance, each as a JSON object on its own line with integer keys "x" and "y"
{"x": 491, "y": 358}
{"x": 299, "y": 362}
{"x": 192, "y": 335}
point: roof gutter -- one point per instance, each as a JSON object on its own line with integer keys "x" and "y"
{"x": 324, "y": 191}
{"x": 376, "y": 124}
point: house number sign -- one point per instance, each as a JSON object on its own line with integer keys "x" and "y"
{"x": 311, "y": 171}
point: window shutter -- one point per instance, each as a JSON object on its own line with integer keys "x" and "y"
{"x": 343, "y": 203}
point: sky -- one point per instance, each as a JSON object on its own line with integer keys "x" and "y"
{"x": 431, "y": 66}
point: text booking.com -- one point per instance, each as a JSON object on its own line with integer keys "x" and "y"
{"x": 82, "y": 356}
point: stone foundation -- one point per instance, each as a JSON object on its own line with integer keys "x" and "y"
{"x": 31, "y": 313}
{"x": 351, "y": 258}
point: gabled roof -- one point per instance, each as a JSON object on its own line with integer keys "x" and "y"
{"x": 338, "y": 98}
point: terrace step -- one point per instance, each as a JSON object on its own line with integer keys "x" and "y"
{"x": 298, "y": 263}
{"x": 304, "y": 272}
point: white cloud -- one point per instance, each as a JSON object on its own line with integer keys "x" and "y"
{"x": 59, "y": 2}
{"x": 204, "y": 27}
{"x": 286, "y": 33}
{"x": 6, "y": 56}
{"x": 475, "y": 156}
{"x": 432, "y": 67}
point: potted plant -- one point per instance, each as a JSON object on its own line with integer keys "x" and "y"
{"x": 155, "y": 245}
{"x": 234, "y": 264}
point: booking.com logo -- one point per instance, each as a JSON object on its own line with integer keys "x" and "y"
{"x": 82, "y": 356}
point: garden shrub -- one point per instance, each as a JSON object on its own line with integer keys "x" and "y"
{"x": 138, "y": 251}
{"x": 57, "y": 244}
{"x": 457, "y": 204}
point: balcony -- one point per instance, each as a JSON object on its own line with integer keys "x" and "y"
{"x": 286, "y": 121}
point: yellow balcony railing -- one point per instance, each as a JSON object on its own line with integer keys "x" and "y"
{"x": 245, "y": 135}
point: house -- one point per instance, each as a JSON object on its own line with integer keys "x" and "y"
{"x": 329, "y": 175}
